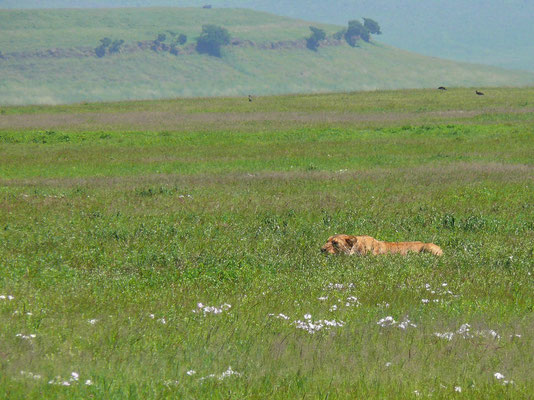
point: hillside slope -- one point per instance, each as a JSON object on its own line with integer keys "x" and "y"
{"x": 496, "y": 33}
{"x": 30, "y": 74}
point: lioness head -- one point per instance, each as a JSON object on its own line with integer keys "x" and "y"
{"x": 339, "y": 244}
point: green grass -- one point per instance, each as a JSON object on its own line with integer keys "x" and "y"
{"x": 118, "y": 224}
{"x": 241, "y": 71}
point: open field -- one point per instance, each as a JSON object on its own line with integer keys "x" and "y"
{"x": 47, "y": 57}
{"x": 118, "y": 219}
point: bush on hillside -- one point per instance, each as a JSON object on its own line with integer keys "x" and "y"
{"x": 182, "y": 39}
{"x": 340, "y": 34}
{"x": 356, "y": 31}
{"x": 115, "y": 46}
{"x": 100, "y": 51}
{"x": 317, "y": 35}
{"x": 372, "y": 26}
{"x": 211, "y": 40}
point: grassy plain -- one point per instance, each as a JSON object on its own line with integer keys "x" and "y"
{"x": 114, "y": 227}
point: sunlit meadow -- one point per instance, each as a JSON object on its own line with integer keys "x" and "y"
{"x": 170, "y": 249}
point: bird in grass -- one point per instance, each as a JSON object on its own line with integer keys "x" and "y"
{"x": 442, "y": 88}
{"x": 249, "y": 97}
{"x": 479, "y": 93}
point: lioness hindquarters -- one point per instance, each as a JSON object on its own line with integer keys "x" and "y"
{"x": 432, "y": 248}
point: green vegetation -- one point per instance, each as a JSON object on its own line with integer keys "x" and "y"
{"x": 211, "y": 40}
{"x": 117, "y": 219}
{"x": 356, "y": 31}
{"x": 269, "y": 57}
{"x": 372, "y": 26}
{"x": 316, "y": 36}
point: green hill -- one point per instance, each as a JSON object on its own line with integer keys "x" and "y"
{"x": 48, "y": 58}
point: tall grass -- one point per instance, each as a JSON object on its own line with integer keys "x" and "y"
{"x": 110, "y": 239}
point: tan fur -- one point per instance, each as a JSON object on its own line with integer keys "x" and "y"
{"x": 362, "y": 245}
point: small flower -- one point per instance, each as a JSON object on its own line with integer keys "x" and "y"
{"x": 333, "y": 308}
{"x": 307, "y": 316}
{"x": 425, "y": 301}
{"x": 228, "y": 372}
{"x": 162, "y": 320}
{"x": 323, "y": 298}
{"x": 498, "y": 375}
{"x": 388, "y": 364}
{"x": 387, "y": 321}
{"x": 151, "y": 316}
{"x": 93, "y": 321}
{"x": 191, "y": 372}
{"x": 88, "y": 382}
{"x": 74, "y": 376}
{"x": 458, "y": 389}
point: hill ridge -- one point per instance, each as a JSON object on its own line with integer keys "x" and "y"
{"x": 268, "y": 56}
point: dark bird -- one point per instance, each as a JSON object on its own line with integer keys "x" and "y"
{"x": 479, "y": 93}
{"x": 442, "y": 88}
{"x": 249, "y": 97}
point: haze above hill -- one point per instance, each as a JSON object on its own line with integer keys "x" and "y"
{"x": 491, "y": 32}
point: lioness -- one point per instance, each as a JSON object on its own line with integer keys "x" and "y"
{"x": 361, "y": 245}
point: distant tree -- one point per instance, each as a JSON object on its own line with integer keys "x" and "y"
{"x": 105, "y": 42}
{"x": 340, "y": 34}
{"x": 161, "y": 37}
{"x": 100, "y": 51}
{"x": 182, "y": 39}
{"x": 356, "y": 31}
{"x": 317, "y": 35}
{"x": 372, "y": 26}
{"x": 115, "y": 46}
{"x": 174, "y": 50}
{"x": 211, "y": 40}
{"x": 207, "y": 6}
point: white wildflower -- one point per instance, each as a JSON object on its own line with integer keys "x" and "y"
{"x": 30, "y": 375}
{"x": 279, "y": 316}
{"x": 151, "y": 316}
{"x": 387, "y": 321}
{"x": 444, "y": 285}
{"x": 352, "y": 301}
{"x": 191, "y": 372}
{"x": 445, "y": 335}
{"x": 162, "y": 320}
{"x": 93, "y": 321}
{"x": 307, "y": 316}
{"x": 212, "y": 309}
{"x": 65, "y": 383}
{"x": 425, "y": 301}
{"x": 228, "y": 372}
{"x": 88, "y": 382}
{"x": 312, "y": 327}
{"x": 323, "y": 298}
{"x": 406, "y": 323}
{"x": 74, "y": 376}
{"x": 388, "y": 364}
{"x": 458, "y": 389}
{"x": 498, "y": 375}
{"x": 333, "y": 308}
{"x": 27, "y": 337}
